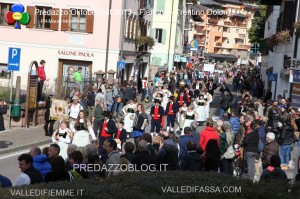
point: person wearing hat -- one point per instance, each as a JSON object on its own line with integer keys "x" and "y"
{"x": 271, "y": 148}
{"x": 211, "y": 86}
{"x": 171, "y": 111}
{"x": 75, "y": 108}
{"x": 189, "y": 95}
{"x": 107, "y": 128}
{"x": 3, "y": 110}
{"x": 197, "y": 86}
{"x": 182, "y": 98}
{"x": 129, "y": 113}
{"x": 48, "y": 129}
{"x": 200, "y": 109}
{"x": 156, "y": 113}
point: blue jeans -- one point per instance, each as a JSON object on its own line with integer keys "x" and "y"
{"x": 250, "y": 158}
{"x": 285, "y": 150}
{"x": 222, "y": 111}
{"x": 117, "y": 106}
{"x": 144, "y": 92}
{"x": 109, "y": 107}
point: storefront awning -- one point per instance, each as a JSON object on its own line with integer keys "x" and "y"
{"x": 221, "y": 57}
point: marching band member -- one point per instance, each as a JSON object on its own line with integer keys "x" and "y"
{"x": 156, "y": 113}
{"x": 189, "y": 95}
{"x": 171, "y": 111}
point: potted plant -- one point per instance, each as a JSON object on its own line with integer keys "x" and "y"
{"x": 145, "y": 41}
{"x": 297, "y": 27}
{"x": 283, "y": 37}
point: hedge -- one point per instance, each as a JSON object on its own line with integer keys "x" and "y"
{"x": 149, "y": 185}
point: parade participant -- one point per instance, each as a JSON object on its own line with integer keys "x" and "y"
{"x": 100, "y": 85}
{"x": 200, "y": 109}
{"x": 107, "y": 129}
{"x": 75, "y": 108}
{"x": 129, "y": 112}
{"x": 226, "y": 99}
{"x": 63, "y": 137}
{"x": 190, "y": 116}
{"x": 181, "y": 115}
{"x": 211, "y": 87}
{"x": 166, "y": 95}
{"x": 78, "y": 78}
{"x": 189, "y": 95}
{"x": 48, "y": 129}
{"x": 208, "y": 99}
{"x": 121, "y": 135}
{"x": 171, "y": 111}
{"x": 3, "y": 110}
{"x": 156, "y": 113}
{"x": 158, "y": 94}
{"x": 144, "y": 88}
{"x": 140, "y": 121}
{"x": 82, "y": 128}
{"x": 182, "y": 98}
{"x": 197, "y": 86}
{"x": 97, "y": 114}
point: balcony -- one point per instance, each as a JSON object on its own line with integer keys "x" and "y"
{"x": 213, "y": 21}
{"x": 240, "y": 36}
{"x": 241, "y": 46}
{"x": 218, "y": 44}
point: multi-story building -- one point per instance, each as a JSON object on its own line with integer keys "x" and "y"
{"x": 222, "y": 26}
{"x": 70, "y": 34}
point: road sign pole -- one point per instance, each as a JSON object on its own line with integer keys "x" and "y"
{"x": 10, "y": 97}
{"x": 275, "y": 89}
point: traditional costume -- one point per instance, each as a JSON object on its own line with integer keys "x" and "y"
{"x": 129, "y": 112}
{"x": 82, "y": 134}
{"x": 65, "y": 137}
{"x": 171, "y": 111}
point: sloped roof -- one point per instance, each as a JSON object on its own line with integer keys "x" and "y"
{"x": 230, "y": 1}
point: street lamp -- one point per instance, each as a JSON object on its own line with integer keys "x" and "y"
{"x": 108, "y": 37}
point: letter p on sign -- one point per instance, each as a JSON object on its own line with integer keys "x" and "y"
{"x": 14, "y": 56}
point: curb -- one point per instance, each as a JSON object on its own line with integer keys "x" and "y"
{"x": 25, "y": 147}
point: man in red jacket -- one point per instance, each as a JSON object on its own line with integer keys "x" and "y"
{"x": 208, "y": 133}
{"x": 42, "y": 78}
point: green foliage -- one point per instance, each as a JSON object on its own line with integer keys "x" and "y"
{"x": 4, "y": 93}
{"x": 145, "y": 40}
{"x": 149, "y": 185}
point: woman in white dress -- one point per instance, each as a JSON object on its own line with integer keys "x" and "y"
{"x": 208, "y": 98}
{"x": 82, "y": 129}
{"x": 129, "y": 113}
{"x": 200, "y": 109}
{"x": 181, "y": 115}
{"x": 63, "y": 137}
{"x": 166, "y": 95}
{"x": 190, "y": 116}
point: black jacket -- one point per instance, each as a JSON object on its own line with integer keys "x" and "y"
{"x": 142, "y": 158}
{"x": 286, "y": 135}
{"x": 185, "y": 100}
{"x": 34, "y": 175}
{"x": 3, "y": 110}
{"x": 160, "y": 111}
{"x": 277, "y": 174}
{"x": 123, "y": 136}
{"x": 168, "y": 154}
{"x": 225, "y": 101}
{"x": 175, "y": 108}
{"x": 251, "y": 141}
{"x": 53, "y": 176}
{"x": 192, "y": 161}
{"x": 194, "y": 86}
{"x": 111, "y": 126}
{"x": 274, "y": 117}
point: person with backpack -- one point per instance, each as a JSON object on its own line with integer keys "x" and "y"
{"x": 118, "y": 96}
{"x": 91, "y": 100}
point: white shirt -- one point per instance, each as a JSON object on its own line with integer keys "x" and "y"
{"x": 23, "y": 179}
{"x": 74, "y": 111}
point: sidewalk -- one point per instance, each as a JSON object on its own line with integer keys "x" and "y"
{"x": 20, "y": 139}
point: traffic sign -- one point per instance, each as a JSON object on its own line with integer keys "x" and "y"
{"x": 121, "y": 64}
{"x": 272, "y": 77}
{"x": 14, "y": 55}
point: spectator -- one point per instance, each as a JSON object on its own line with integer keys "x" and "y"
{"x": 29, "y": 174}
{"x": 208, "y": 133}
{"x": 128, "y": 151}
{"x": 142, "y": 156}
{"x": 229, "y": 154}
{"x": 76, "y": 160}
{"x": 3, "y": 110}
{"x": 78, "y": 78}
{"x": 191, "y": 161}
{"x": 148, "y": 138}
{"x": 271, "y": 148}
{"x": 274, "y": 171}
{"x": 53, "y": 151}
{"x": 235, "y": 122}
{"x": 212, "y": 156}
{"x": 40, "y": 161}
{"x": 5, "y": 182}
{"x": 41, "y": 79}
{"x": 183, "y": 141}
{"x": 113, "y": 154}
{"x": 58, "y": 172}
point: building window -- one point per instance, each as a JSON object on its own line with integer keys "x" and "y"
{"x": 78, "y": 19}
{"x": 4, "y": 73}
{"x": 227, "y": 41}
{"x": 43, "y": 17}
{"x": 158, "y": 35}
{"x": 160, "y": 7}
{"x": 4, "y": 7}
{"x": 237, "y": 30}
{"x": 219, "y": 29}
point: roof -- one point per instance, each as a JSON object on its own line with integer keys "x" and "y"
{"x": 209, "y": 3}
{"x": 227, "y": 57}
{"x": 239, "y": 15}
{"x": 230, "y": 1}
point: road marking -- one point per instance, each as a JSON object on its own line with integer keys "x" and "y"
{"x": 19, "y": 152}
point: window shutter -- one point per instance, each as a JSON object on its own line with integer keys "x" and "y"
{"x": 142, "y": 4}
{"x": 163, "y": 38}
{"x": 65, "y": 20}
{"x": 160, "y": 7}
{"x": 137, "y": 29}
{"x": 31, "y": 11}
{"x": 89, "y": 22}
{"x": 132, "y": 28}
{"x": 54, "y": 19}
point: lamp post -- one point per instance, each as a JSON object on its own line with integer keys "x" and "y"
{"x": 108, "y": 37}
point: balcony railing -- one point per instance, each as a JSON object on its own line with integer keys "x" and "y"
{"x": 213, "y": 21}
{"x": 218, "y": 44}
{"x": 241, "y": 46}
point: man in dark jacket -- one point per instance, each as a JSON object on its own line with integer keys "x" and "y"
{"x": 274, "y": 116}
{"x": 128, "y": 94}
{"x": 192, "y": 161}
{"x": 29, "y": 174}
{"x": 271, "y": 148}
{"x": 142, "y": 156}
{"x": 107, "y": 129}
{"x": 197, "y": 86}
{"x": 184, "y": 139}
{"x": 274, "y": 171}
{"x": 3, "y": 110}
{"x": 171, "y": 111}
{"x": 250, "y": 144}
{"x": 168, "y": 153}
{"x": 211, "y": 86}
{"x": 48, "y": 129}
{"x": 226, "y": 99}
{"x": 156, "y": 113}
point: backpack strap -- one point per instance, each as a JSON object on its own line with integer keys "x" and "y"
{"x": 71, "y": 176}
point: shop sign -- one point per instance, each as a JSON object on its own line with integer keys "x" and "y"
{"x": 75, "y": 53}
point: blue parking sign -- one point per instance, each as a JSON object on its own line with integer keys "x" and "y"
{"x": 14, "y": 55}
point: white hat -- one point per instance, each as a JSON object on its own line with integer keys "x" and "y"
{"x": 271, "y": 136}
{"x": 75, "y": 97}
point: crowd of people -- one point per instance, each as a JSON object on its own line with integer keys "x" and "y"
{"x": 107, "y": 126}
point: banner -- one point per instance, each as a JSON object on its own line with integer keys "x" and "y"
{"x": 209, "y": 68}
{"x": 59, "y": 110}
